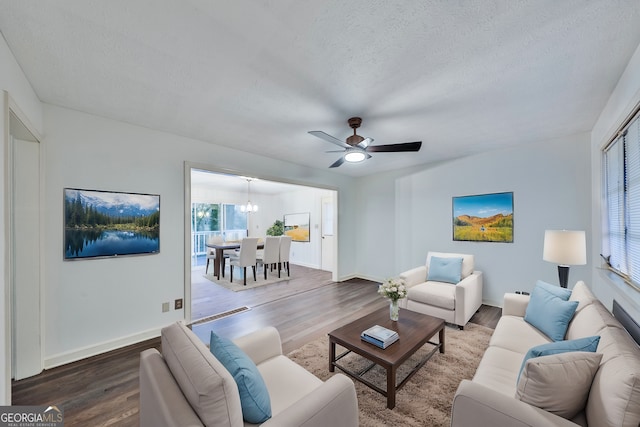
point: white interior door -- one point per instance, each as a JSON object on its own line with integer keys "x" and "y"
{"x": 328, "y": 234}
{"x": 25, "y": 259}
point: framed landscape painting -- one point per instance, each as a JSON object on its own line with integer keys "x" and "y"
{"x": 297, "y": 226}
{"x": 483, "y": 218}
{"x": 109, "y": 224}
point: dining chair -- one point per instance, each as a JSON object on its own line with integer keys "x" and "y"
{"x": 211, "y": 252}
{"x": 246, "y": 257}
{"x": 270, "y": 255}
{"x": 285, "y": 248}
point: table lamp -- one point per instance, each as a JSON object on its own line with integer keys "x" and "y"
{"x": 565, "y": 248}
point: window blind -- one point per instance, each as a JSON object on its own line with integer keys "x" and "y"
{"x": 622, "y": 197}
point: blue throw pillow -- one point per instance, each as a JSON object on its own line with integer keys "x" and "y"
{"x": 549, "y": 313}
{"x": 589, "y": 344}
{"x": 562, "y": 293}
{"x": 445, "y": 269}
{"x": 254, "y": 397}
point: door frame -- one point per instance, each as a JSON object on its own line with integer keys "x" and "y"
{"x": 188, "y": 166}
{"x": 11, "y": 107}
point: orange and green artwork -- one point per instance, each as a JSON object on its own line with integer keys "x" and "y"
{"x": 483, "y": 218}
{"x": 297, "y": 226}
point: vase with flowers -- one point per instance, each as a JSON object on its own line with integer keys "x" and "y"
{"x": 394, "y": 290}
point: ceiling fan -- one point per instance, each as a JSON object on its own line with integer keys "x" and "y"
{"x": 357, "y": 148}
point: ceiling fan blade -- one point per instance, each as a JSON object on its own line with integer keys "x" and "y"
{"x": 394, "y": 148}
{"x": 337, "y": 162}
{"x": 335, "y": 151}
{"x": 329, "y": 138}
{"x": 365, "y": 142}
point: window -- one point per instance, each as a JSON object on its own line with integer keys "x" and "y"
{"x": 622, "y": 197}
{"x": 220, "y": 218}
{"x": 216, "y": 219}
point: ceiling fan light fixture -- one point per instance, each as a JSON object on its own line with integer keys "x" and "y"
{"x": 354, "y": 155}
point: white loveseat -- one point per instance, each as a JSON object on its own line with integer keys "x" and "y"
{"x": 455, "y": 303}
{"x": 187, "y": 386}
{"x": 613, "y": 397}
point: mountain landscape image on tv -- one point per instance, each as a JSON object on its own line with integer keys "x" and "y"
{"x": 108, "y": 224}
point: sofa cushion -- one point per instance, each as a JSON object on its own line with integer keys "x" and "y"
{"x": 206, "y": 384}
{"x": 590, "y": 321}
{"x": 582, "y": 294}
{"x": 286, "y": 390}
{"x": 549, "y": 313}
{"x": 254, "y": 397}
{"x": 614, "y": 399}
{"x": 437, "y": 294}
{"x": 559, "y": 383}
{"x": 467, "y": 261}
{"x": 513, "y": 333}
{"x": 589, "y": 344}
{"x": 447, "y": 270}
{"x": 498, "y": 369}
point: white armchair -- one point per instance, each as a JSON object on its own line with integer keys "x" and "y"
{"x": 453, "y": 302}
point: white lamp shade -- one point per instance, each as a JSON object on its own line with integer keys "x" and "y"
{"x": 565, "y": 247}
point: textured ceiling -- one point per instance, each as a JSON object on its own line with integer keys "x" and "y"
{"x": 462, "y": 76}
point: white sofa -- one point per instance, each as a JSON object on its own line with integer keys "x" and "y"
{"x": 613, "y": 398}
{"x": 187, "y": 386}
{"x": 455, "y": 303}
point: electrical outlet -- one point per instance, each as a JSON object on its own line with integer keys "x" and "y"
{"x": 178, "y": 304}
{"x": 165, "y": 307}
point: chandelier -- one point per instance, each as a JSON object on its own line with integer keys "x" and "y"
{"x": 249, "y": 207}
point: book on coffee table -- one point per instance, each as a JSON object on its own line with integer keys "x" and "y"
{"x": 379, "y": 336}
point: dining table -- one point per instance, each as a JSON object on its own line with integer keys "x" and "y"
{"x": 220, "y": 248}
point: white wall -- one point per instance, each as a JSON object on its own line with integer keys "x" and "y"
{"x": 93, "y": 305}
{"x": 621, "y": 103}
{"x": 409, "y": 213}
{"x": 13, "y": 82}
{"x": 308, "y": 254}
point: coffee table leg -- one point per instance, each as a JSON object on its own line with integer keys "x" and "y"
{"x": 442, "y": 340}
{"x": 332, "y": 355}
{"x": 391, "y": 387}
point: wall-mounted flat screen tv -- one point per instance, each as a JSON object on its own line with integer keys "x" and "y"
{"x": 101, "y": 224}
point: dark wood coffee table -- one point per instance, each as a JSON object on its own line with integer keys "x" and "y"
{"x": 415, "y": 330}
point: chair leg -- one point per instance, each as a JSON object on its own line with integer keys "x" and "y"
{"x": 231, "y": 274}
{"x": 222, "y": 266}
{"x": 461, "y": 327}
{"x": 264, "y": 267}
{"x": 253, "y": 267}
{"x": 206, "y": 270}
{"x": 288, "y": 269}
{"x": 245, "y": 275}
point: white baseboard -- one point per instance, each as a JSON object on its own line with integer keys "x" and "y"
{"x": 83, "y": 353}
{"x": 304, "y": 264}
{"x": 492, "y": 303}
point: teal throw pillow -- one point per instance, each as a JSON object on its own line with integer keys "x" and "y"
{"x": 589, "y": 344}
{"x": 549, "y": 313}
{"x": 254, "y": 397}
{"x": 445, "y": 269}
{"x": 562, "y": 293}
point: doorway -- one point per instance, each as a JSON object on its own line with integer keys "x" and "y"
{"x": 25, "y": 236}
{"x": 275, "y": 198}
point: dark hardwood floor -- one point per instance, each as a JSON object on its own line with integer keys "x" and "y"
{"x": 103, "y": 390}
